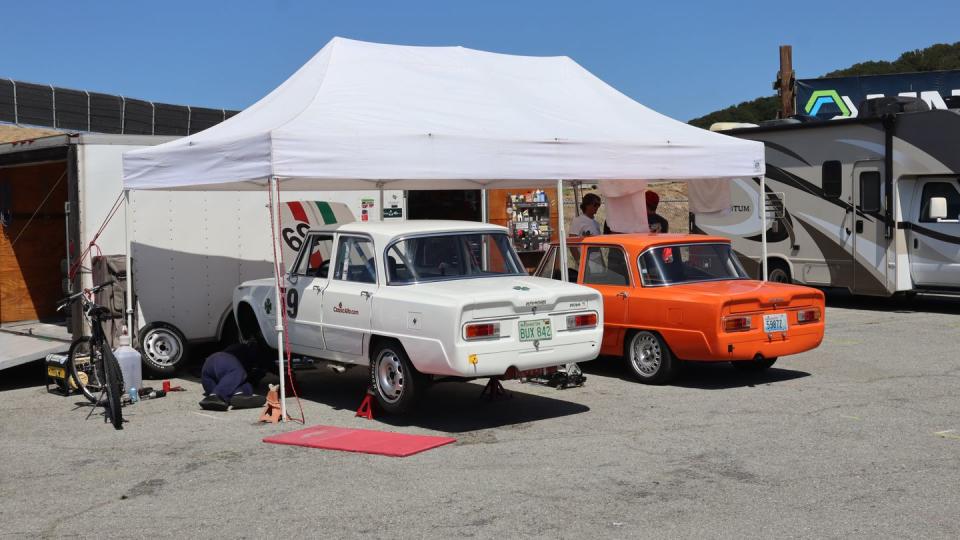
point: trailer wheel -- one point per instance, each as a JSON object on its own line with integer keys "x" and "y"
{"x": 649, "y": 358}
{"x": 164, "y": 348}
{"x": 778, "y": 271}
{"x": 396, "y": 384}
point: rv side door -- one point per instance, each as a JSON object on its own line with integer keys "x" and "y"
{"x": 933, "y": 242}
{"x": 868, "y": 227}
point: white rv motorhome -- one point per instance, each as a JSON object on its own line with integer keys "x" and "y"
{"x": 189, "y": 249}
{"x": 867, "y": 204}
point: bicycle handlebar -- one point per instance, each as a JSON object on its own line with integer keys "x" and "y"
{"x": 69, "y": 300}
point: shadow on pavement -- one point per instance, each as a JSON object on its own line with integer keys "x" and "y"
{"x": 701, "y": 375}
{"x": 452, "y": 407}
{"x": 921, "y": 303}
{"x": 23, "y": 376}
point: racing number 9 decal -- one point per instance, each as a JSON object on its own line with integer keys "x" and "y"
{"x": 294, "y": 236}
{"x": 293, "y": 301}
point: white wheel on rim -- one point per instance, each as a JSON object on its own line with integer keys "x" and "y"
{"x": 164, "y": 348}
{"x": 389, "y": 376}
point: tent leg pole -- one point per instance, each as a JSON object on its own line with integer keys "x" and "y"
{"x": 380, "y": 187}
{"x": 129, "y": 264}
{"x": 762, "y": 207}
{"x": 274, "y": 225}
{"x": 561, "y": 232}
{"x": 483, "y": 205}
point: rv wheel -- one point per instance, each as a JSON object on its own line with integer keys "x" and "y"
{"x": 164, "y": 348}
{"x": 778, "y": 272}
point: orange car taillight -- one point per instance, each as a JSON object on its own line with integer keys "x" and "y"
{"x": 481, "y": 331}
{"x": 808, "y": 315}
{"x": 586, "y": 320}
{"x": 740, "y": 323}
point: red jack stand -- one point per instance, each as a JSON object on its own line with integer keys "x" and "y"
{"x": 366, "y": 406}
{"x": 495, "y": 389}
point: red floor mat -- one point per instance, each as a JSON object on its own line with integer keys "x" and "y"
{"x": 360, "y": 440}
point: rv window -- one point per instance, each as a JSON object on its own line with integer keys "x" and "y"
{"x": 830, "y": 179}
{"x": 940, "y": 189}
{"x": 870, "y": 191}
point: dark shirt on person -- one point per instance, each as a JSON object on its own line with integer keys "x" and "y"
{"x": 657, "y": 223}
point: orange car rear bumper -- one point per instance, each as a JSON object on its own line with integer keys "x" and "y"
{"x": 725, "y": 347}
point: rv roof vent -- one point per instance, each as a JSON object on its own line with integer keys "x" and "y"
{"x": 779, "y": 122}
{"x": 725, "y": 126}
{"x": 883, "y": 106}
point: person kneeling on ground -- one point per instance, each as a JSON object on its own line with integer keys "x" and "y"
{"x": 228, "y": 377}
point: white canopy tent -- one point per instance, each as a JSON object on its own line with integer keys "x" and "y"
{"x": 360, "y": 115}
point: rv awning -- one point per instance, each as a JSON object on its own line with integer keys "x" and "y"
{"x": 361, "y": 115}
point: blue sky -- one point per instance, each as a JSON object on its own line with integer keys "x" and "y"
{"x": 683, "y": 59}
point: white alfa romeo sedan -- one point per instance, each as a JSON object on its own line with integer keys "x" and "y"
{"x": 418, "y": 300}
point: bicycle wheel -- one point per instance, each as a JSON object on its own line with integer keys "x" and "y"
{"x": 86, "y": 368}
{"x": 114, "y": 388}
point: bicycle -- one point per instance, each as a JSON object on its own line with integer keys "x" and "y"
{"x": 94, "y": 369}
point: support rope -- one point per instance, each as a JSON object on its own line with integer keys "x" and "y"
{"x": 276, "y": 223}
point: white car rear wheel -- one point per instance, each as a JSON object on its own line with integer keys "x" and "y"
{"x": 649, "y": 358}
{"x": 396, "y": 383}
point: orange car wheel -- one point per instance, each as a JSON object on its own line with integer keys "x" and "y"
{"x": 649, "y": 358}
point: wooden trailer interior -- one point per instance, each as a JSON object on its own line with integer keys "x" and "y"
{"x": 32, "y": 240}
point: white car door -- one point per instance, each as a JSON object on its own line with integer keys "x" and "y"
{"x": 304, "y": 294}
{"x": 347, "y": 297}
{"x": 934, "y": 243}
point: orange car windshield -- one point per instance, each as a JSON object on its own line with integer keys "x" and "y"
{"x": 689, "y": 263}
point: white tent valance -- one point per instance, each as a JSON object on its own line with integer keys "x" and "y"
{"x": 360, "y": 115}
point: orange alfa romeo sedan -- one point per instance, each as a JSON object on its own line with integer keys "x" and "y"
{"x": 674, "y": 297}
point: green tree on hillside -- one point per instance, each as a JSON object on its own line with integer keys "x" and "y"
{"x": 941, "y": 56}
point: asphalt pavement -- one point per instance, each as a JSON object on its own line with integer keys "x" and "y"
{"x": 858, "y": 438}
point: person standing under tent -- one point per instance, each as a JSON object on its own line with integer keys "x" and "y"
{"x": 658, "y": 223}
{"x": 584, "y": 224}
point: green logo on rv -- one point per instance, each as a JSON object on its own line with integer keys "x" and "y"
{"x": 819, "y": 98}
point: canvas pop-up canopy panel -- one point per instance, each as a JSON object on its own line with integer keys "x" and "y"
{"x": 363, "y": 115}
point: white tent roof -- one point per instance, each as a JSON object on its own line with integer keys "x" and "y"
{"x": 358, "y": 114}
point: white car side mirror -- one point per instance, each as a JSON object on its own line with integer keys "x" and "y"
{"x": 938, "y": 208}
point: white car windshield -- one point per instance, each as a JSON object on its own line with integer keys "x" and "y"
{"x": 451, "y": 256}
{"x": 689, "y": 263}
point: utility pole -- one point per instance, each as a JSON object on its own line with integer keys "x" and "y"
{"x": 785, "y": 82}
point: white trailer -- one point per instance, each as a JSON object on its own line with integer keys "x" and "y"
{"x": 188, "y": 249}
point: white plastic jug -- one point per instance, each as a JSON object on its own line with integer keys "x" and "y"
{"x": 130, "y": 366}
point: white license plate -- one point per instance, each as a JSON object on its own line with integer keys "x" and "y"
{"x": 538, "y": 330}
{"x": 775, "y": 323}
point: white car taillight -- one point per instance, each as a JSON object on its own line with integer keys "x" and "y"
{"x": 584, "y": 320}
{"x": 481, "y": 331}
{"x": 808, "y": 315}
{"x": 739, "y": 323}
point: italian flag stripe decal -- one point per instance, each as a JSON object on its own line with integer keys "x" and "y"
{"x": 297, "y": 210}
{"x": 326, "y": 212}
